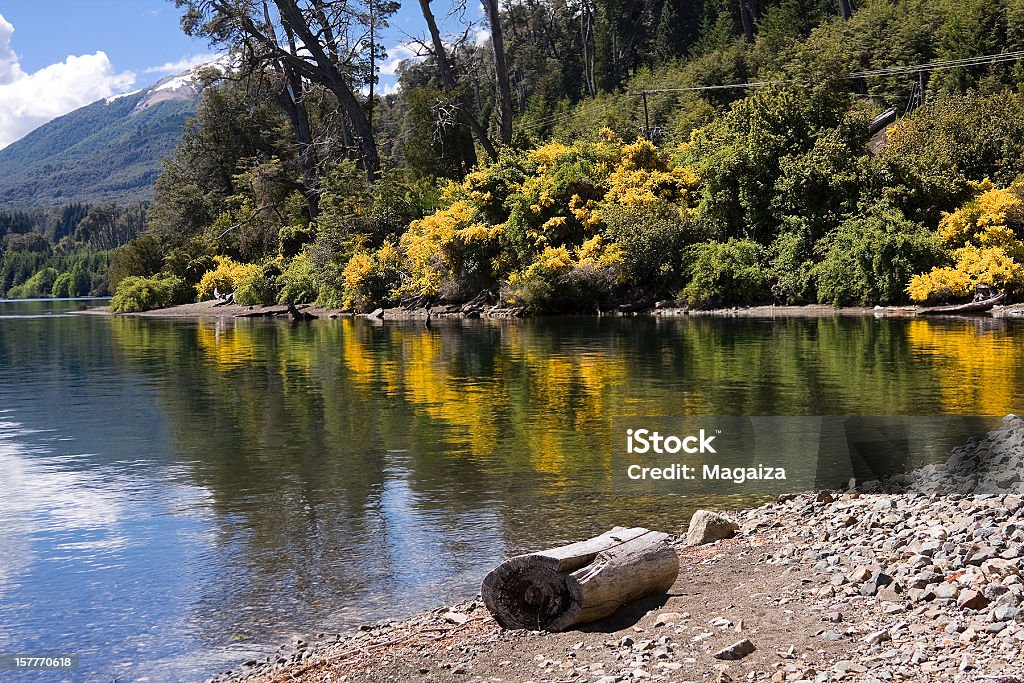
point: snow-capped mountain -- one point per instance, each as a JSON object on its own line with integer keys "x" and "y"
{"x": 110, "y": 150}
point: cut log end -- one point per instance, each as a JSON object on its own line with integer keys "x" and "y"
{"x": 579, "y": 583}
{"x": 527, "y": 592}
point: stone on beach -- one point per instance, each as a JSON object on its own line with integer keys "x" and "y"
{"x": 708, "y": 527}
{"x": 737, "y": 650}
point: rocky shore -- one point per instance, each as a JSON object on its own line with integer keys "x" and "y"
{"x": 917, "y": 578}
{"x": 477, "y": 309}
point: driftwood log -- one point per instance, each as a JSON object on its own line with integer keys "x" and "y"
{"x": 298, "y": 314}
{"x": 557, "y": 589}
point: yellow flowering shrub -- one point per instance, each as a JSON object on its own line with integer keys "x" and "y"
{"x": 984, "y": 242}
{"x": 563, "y": 279}
{"x": 551, "y": 262}
{"x": 989, "y": 266}
{"x": 545, "y": 155}
{"x": 224, "y": 276}
{"x": 373, "y": 278}
{"x": 993, "y": 210}
{"x": 595, "y": 252}
{"x": 527, "y": 216}
{"x": 448, "y": 249}
{"x": 586, "y": 212}
{"x": 941, "y": 284}
{"x": 640, "y": 185}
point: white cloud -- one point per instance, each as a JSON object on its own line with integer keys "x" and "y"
{"x": 481, "y": 36}
{"x": 396, "y": 55}
{"x": 182, "y": 65}
{"x": 27, "y": 101}
{"x": 9, "y": 67}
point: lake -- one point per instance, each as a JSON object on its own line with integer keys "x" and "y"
{"x": 177, "y": 495}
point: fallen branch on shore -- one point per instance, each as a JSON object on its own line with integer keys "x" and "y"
{"x": 574, "y": 584}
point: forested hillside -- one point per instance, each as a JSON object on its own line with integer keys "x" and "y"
{"x": 106, "y": 151}
{"x": 64, "y": 251}
{"x": 589, "y": 153}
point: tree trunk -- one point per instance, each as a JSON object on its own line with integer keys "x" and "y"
{"x": 588, "y": 48}
{"x": 304, "y": 137}
{"x": 845, "y": 9}
{"x": 574, "y": 584}
{"x": 747, "y": 21}
{"x": 292, "y": 100}
{"x": 323, "y": 70}
{"x": 503, "y": 93}
{"x": 296, "y": 107}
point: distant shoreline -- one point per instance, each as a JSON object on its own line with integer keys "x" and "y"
{"x": 210, "y": 309}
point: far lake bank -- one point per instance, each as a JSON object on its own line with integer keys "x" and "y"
{"x": 216, "y": 309}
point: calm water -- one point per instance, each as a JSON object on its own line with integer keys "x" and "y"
{"x": 175, "y": 495}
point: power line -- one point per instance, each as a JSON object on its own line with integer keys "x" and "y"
{"x": 905, "y": 70}
{"x": 888, "y": 71}
{"x": 941, "y": 65}
{"x": 697, "y": 88}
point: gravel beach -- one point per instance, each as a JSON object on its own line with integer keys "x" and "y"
{"x": 917, "y": 578}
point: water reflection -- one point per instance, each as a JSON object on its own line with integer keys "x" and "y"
{"x": 253, "y": 479}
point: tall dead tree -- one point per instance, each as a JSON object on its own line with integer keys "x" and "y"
{"x": 588, "y": 47}
{"x": 503, "y": 95}
{"x": 747, "y": 20}
{"x": 450, "y": 82}
{"x": 294, "y": 104}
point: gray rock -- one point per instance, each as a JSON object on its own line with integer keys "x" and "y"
{"x": 877, "y": 637}
{"x": 1005, "y": 612}
{"x": 944, "y": 591}
{"x": 708, "y": 527}
{"x": 972, "y": 599}
{"x": 737, "y": 650}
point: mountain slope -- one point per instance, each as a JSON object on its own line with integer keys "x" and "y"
{"x": 110, "y": 150}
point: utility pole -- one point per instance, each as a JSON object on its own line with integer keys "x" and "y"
{"x": 647, "y": 118}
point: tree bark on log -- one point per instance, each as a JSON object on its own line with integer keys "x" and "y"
{"x": 557, "y": 589}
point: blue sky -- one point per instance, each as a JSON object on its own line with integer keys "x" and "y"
{"x": 58, "y": 55}
{"x": 135, "y": 34}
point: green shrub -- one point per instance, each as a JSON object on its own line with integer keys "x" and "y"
{"x": 142, "y": 256}
{"x": 653, "y": 237}
{"x": 136, "y": 293}
{"x": 791, "y": 268}
{"x": 973, "y": 136}
{"x": 37, "y": 286}
{"x": 259, "y": 284}
{"x": 869, "y": 260}
{"x": 727, "y": 273}
{"x": 297, "y": 283}
{"x": 191, "y": 259}
{"x": 62, "y": 286}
